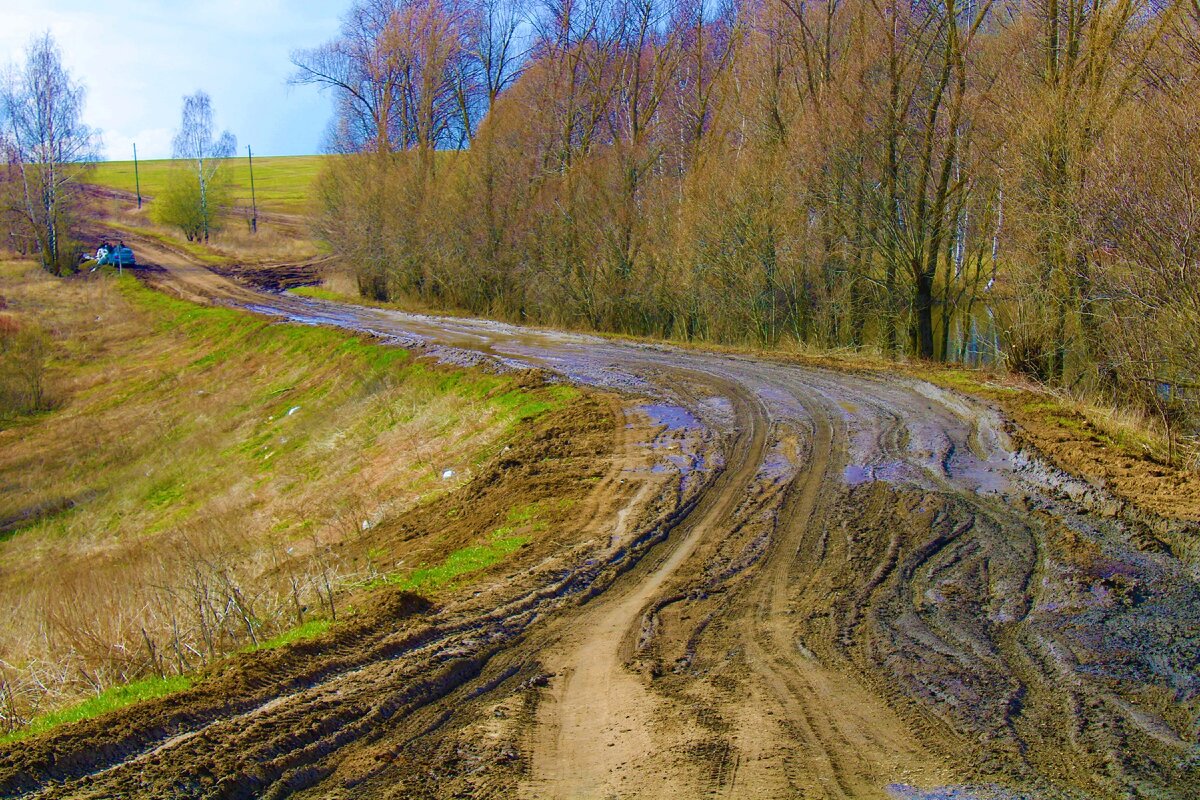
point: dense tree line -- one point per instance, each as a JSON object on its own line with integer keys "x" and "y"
{"x": 837, "y": 173}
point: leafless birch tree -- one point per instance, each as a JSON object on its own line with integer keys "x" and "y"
{"x": 195, "y": 144}
{"x": 41, "y": 109}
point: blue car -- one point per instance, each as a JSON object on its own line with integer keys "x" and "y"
{"x": 116, "y": 255}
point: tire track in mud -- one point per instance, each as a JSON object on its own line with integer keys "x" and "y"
{"x": 599, "y": 716}
{"x": 849, "y": 587}
{"x": 826, "y": 734}
{"x": 850, "y": 743}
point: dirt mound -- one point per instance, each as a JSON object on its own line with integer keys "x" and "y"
{"x": 279, "y": 277}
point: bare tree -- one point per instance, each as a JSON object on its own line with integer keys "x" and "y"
{"x": 410, "y": 74}
{"x": 195, "y": 143}
{"x": 1094, "y": 55}
{"x": 41, "y": 108}
{"x": 493, "y": 57}
{"x": 363, "y": 77}
{"x": 428, "y": 38}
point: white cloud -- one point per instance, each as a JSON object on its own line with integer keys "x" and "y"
{"x": 151, "y": 143}
{"x": 138, "y": 58}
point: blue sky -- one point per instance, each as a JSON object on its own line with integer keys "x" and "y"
{"x": 138, "y": 58}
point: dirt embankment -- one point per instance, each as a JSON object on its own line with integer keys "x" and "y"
{"x": 1166, "y": 493}
{"x": 308, "y": 698}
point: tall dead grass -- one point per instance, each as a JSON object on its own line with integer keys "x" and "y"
{"x": 184, "y": 602}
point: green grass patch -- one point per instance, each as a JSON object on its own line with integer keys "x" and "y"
{"x": 164, "y": 494}
{"x": 307, "y": 630}
{"x": 504, "y": 541}
{"x": 457, "y": 564}
{"x": 317, "y": 293}
{"x": 524, "y": 405}
{"x": 109, "y": 700}
{"x": 520, "y": 515}
{"x": 963, "y": 380}
{"x": 281, "y": 183}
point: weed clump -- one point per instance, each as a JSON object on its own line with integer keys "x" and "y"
{"x": 24, "y": 357}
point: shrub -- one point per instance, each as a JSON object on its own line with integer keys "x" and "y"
{"x": 180, "y": 206}
{"x": 24, "y": 351}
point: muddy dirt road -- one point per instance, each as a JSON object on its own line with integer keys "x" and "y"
{"x": 805, "y": 583}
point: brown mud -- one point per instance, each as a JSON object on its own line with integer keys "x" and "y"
{"x": 1139, "y": 480}
{"x": 775, "y": 580}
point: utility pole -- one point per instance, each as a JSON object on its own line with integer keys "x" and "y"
{"x": 253, "y": 201}
{"x": 136, "y": 180}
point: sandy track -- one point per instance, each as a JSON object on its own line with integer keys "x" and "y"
{"x": 801, "y": 583}
{"x": 599, "y": 719}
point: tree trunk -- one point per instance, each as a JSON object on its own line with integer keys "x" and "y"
{"x": 924, "y": 311}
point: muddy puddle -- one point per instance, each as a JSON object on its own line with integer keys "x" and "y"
{"x": 901, "y": 791}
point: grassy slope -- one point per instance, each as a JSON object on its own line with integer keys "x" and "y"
{"x": 281, "y": 183}
{"x": 189, "y": 435}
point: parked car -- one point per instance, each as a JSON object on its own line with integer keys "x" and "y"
{"x": 115, "y": 255}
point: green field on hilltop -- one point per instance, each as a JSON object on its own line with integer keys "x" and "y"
{"x": 281, "y": 183}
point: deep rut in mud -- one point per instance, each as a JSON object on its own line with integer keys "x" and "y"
{"x": 791, "y": 582}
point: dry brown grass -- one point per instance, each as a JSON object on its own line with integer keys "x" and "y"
{"x": 191, "y": 492}
{"x": 278, "y": 239}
